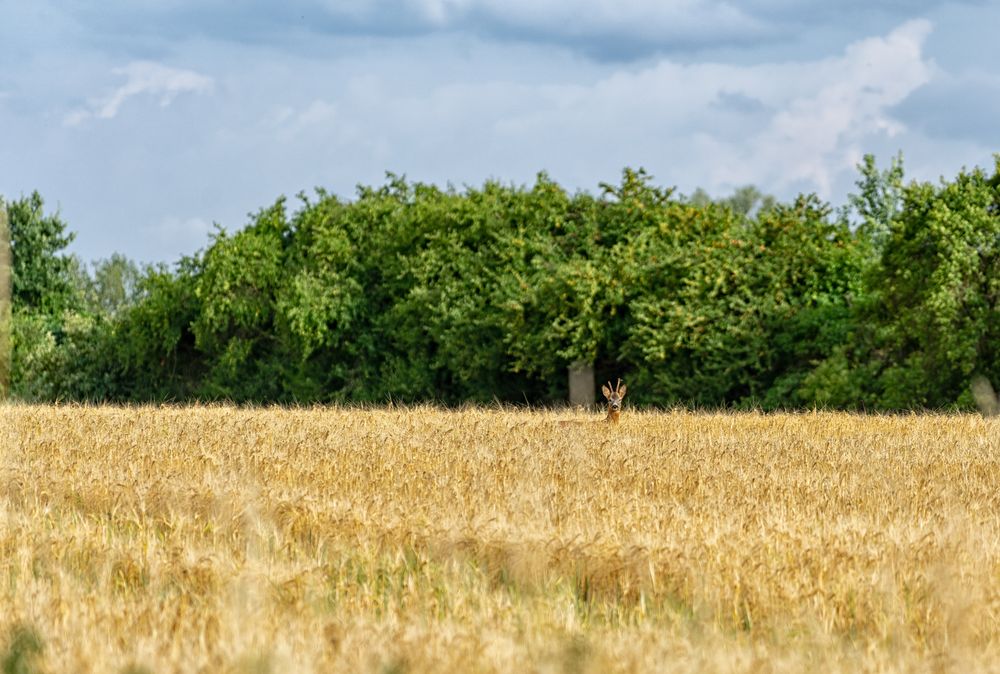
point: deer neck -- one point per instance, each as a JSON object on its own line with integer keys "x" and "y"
{"x": 613, "y": 415}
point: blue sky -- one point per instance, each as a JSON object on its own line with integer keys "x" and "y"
{"x": 145, "y": 122}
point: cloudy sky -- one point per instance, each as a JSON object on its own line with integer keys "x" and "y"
{"x": 144, "y": 122}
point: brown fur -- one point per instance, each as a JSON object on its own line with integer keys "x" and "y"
{"x": 615, "y": 397}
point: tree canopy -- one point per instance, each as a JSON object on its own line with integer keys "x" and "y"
{"x": 413, "y": 292}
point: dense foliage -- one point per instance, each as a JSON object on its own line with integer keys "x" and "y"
{"x": 412, "y": 292}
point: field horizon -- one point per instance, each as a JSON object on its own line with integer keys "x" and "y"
{"x": 491, "y": 539}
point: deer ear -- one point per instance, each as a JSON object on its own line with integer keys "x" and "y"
{"x": 607, "y": 392}
{"x": 622, "y": 390}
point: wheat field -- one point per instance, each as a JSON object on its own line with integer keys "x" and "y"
{"x": 222, "y": 539}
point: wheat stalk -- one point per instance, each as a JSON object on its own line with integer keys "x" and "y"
{"x": 420, "y": 540}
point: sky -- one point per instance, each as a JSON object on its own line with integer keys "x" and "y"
{"x": 146, "y": 123}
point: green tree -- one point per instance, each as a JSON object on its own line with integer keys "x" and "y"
{"x": 748, "y": 201}
{"x": 879, "y": 199}
{"x": 724, "y": 309}
{"x": 938, "y": 292}
{"x": 236, "y": 286}
{"x": 414, "y": 292}
{"x": 150, "y": 351}
{"x": 41, "y": 272}
{"x": 5, "y": 301}
{"x": 110, "y": 285}
{"x": 44, "y": 299}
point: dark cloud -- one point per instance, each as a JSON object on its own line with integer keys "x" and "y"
{"x": 146, "y": 122}
{"x": 634, "y": 31}
{"x": 959, "y": 108}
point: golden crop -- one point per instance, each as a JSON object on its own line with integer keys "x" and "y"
{"x": 214, "y": 539}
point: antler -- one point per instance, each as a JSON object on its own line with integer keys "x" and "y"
{"x": 618, "y": 391}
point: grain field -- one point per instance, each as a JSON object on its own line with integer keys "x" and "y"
{"x": 220, "y": 539}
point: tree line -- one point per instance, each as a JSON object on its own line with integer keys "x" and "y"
{"x": 412, "y": 292}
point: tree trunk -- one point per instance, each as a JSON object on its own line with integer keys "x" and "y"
{"x": 5, "y": 302}
{"x": 581, "y": 384}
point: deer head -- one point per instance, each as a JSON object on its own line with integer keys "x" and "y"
{"x": 614, "y": 397}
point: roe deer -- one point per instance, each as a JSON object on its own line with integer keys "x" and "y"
{"x": 614, "y": 397}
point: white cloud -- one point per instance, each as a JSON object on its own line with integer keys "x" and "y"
{"x": 450, "y": 108}
{"x": 783, "y": 126}
{"x": 316, "y": 115}
{"x": 142, "y": 78}
{"x": 821, "y": 129}
{"x": 319, "y": 124}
